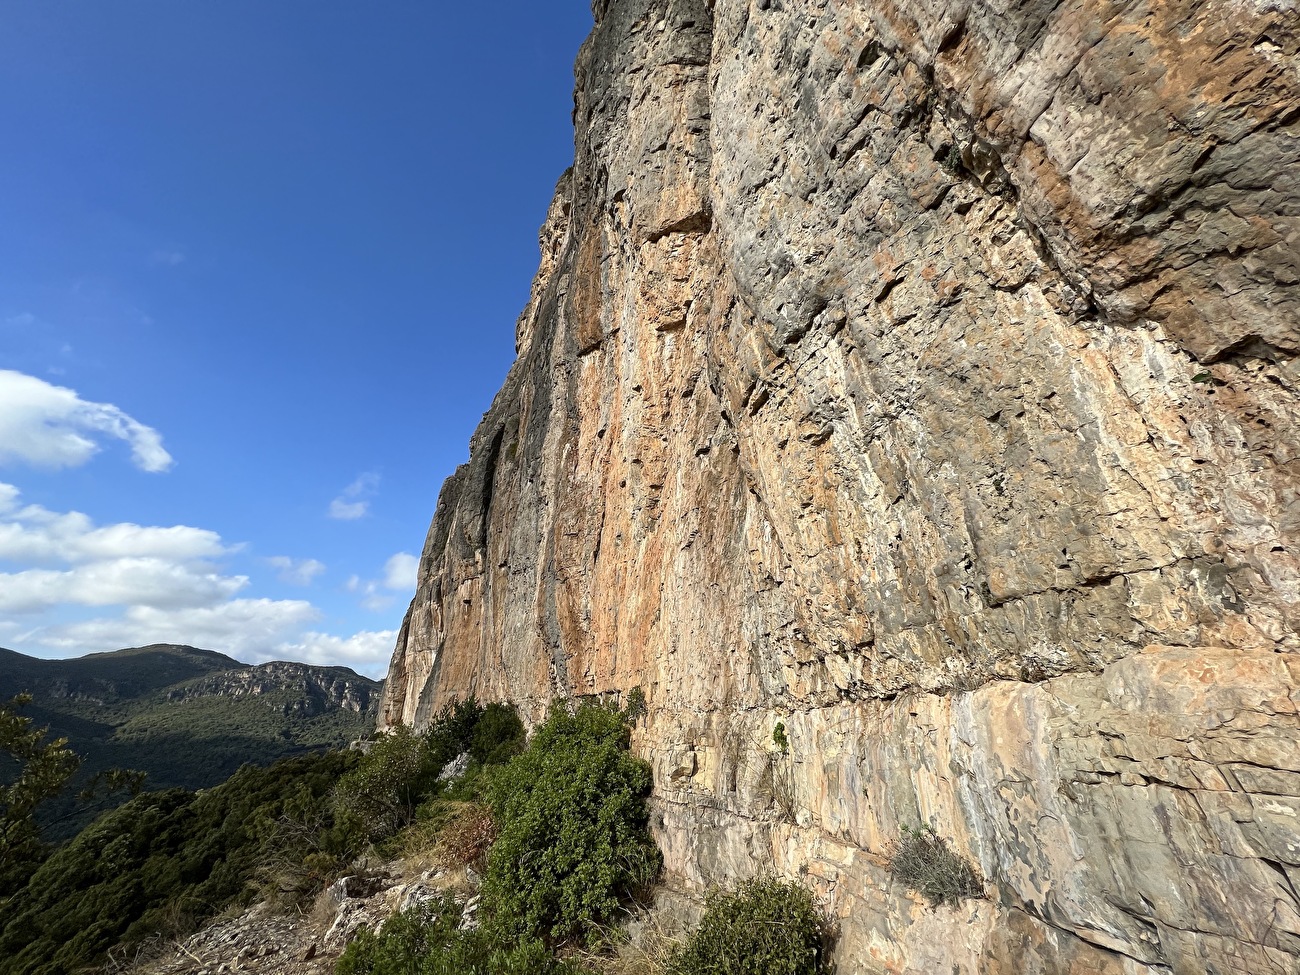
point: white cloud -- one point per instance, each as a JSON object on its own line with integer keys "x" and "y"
{"x": 353, "y": 502}
{"x": 68, "y": 585}
{"x": 167, "y": 257}
{"x": 399, "y": 576}
{"x": 367, "y": 653}
{"x": 253, "y": 630}
{"x": 51, "y": 426}
{"x": 243, "y": 628}
{"x": 22, "y": 320}
{"x": 371, "y": 598}
{"x": 400, "y": 570}
{"x": 348, "y": 510}
{"x": 297, "y": 572}
{"x": 151, "y": 583}
{"x": 65, "y": 559}
{"x": 33, "y": 534}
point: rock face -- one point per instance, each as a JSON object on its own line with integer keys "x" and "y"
{"x": 286, "y": 686}
{"x": 921, "y": 374}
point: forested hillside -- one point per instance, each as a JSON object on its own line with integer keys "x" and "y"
{"x": 188, "y": 718}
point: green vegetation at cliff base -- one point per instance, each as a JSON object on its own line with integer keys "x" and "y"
{"x": 556, "y": 824}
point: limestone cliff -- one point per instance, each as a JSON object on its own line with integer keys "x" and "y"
{"x": 921, "y": 374}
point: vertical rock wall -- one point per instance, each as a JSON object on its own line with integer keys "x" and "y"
{"x": 923, "y": 375}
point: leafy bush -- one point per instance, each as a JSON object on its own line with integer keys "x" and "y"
{"x": 635, "y": 708}
{"x": 380, "y": 795}
{"x": 498, "y": 736}
{"x": 407, "y": 938}
{"x": 573, "y": 838}
{"x": 306, "y": 847}
{"x": 779, "y": 738}
{"x": 450, "y": 734}
{"x": 426, "y": 940}
{"x": 401, "y": 769}
{"x": 766, "y": 925}
{"x": 34, "y": 771}
{"x": 925, "y": 863}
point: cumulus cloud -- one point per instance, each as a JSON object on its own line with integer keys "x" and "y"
{"x": 52, "y": 427}
{"x": 400, "y": 570}
{"x": 354, "y": 501}
{"x": 70, "y": 586}
{"x": 296, "y": 572}
{"x": 378, "y": 594}
{"x": 243, "y": 628}
{"x": 33, "y": 534}
{"x": 154, "y": 583}
{"x": 367, "y": 652}
{"x": 66, "y": 559}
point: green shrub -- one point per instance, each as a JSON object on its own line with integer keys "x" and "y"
{"x": 426, "y": 941}
{"x": 401, "y": 769}
{"x": 32, "y": 771}
{"x": 306, "y": 847}
{"x": 925, "y": 863}
{"x": 573, "y": 839}
{"x": 382, "y": 792}
{"x": 407, "y": 938}
{"x": 766, "y": 926}
{"x": 779, "y": 738}
{"x": 498, "y": 736}
{"x": 450, "y": 734}
{"x": 635, "y": 709}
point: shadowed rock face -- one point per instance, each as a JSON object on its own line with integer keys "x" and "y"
{"x": 922, "y": 375}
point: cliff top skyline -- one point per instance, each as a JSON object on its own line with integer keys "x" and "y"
{"x": 262, "y": 273}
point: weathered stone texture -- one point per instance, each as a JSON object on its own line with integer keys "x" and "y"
{"x": 922, "y": 374}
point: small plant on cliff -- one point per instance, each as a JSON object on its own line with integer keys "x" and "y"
{"x": 927, "y": 864}
{"x": 778, "y": 737}
{"x": 765, "y": 925}
{"x": 635, "y": 708}
{"x": 573, "y": 842}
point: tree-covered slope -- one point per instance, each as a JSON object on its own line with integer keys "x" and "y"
{"x": 188, "y": 718}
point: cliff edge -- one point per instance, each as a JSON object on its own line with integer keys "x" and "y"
{"x": 922, "y": 375}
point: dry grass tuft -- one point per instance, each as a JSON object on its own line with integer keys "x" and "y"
{"x": 464, "y": 840}
{"x": 925, "y": 863}
{"x": 646, "y": 954}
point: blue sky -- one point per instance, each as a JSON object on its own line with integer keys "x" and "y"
{"x": 260, "y": 264}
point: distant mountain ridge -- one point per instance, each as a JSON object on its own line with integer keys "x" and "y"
{"x": 106, "y": 677}
{"x": 188, "y": 717}
{"x": 321, "y": 688}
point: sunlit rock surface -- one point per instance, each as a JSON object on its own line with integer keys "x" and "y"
{"x": 922, "y": 375}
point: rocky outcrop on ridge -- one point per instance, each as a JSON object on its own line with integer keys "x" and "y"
{"x": 288, "y": 686}
{"x": 920, "y": 374}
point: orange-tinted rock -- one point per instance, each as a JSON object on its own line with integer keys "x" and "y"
{"x": 920, "y": 374}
